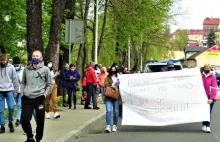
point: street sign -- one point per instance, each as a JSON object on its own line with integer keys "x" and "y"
{"x": 74, "y": 31}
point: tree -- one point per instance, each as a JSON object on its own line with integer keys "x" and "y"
{"x": 34, "y": 27}
{"x": 53, "y": 48}
{"x": 211, "y": 38}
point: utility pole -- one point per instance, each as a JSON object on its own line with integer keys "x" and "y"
{"x": 129, "y": 54}
{"x": 96, "y": 33}
{"x": 141, "y": 55}
{"x": 70, "y": 42}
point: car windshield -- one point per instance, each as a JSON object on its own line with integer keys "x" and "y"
{"x": 161, "y": 68}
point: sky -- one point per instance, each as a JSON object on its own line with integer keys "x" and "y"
{"x": 195, "y": 11}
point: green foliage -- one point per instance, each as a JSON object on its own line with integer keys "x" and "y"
{"x": 13, "y": 26}
{"x": 180, "y": 40}
{"x": 211, "y": 38}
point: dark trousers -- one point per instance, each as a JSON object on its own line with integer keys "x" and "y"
{"x": 28, "y": 106}
{"x": 207, "y": 123}
{"x": 90, "y": 93}
{"x": 71, "y": 92}
{"x": 64, "y": 91}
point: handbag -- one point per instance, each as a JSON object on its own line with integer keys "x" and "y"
{"x": 111, "y": 93}
{"x": 76, "y": 86}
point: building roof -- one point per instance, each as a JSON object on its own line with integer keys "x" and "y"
{"x": 194, "y": 49}
{"x": 191, "y": 32}
{"x": 192, "y": 43}
{"x": 211, "y": 21}
{"x": 193, "y": 57}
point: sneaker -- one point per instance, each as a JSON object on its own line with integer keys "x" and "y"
{"x": 30, "y": 140}
{"x": 56, "y": 115}
{"x": 2, "y": 130}
{"x": 204, "y": 128}
{"x": 47, "y": 115}
{"x": 95, "y": 107}
{"x": 208, "y": 130}
{"x": 108, "y": 129}
{"x": 17, "y": 122}
{"x": 11, "y": 127}
{"x": 114, "y": 128}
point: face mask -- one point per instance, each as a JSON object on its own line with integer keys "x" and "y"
{"x": 206, "y": 71}
{"x": 17, "y": 68}
{"x": 113, "y": 72}
{"x": 35, "y": 60}
{"x": 170, "y": 68}
{"x": 72, "y": 69}
{"x": 66, "y": 68}
{"x": 50, "y": 65}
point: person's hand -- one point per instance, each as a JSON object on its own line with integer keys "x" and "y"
{"x": 71, "y": 77}
{"x": 57, "y": 73}
{"x": 117, "y": 82}
{"x": 15, "y": 94}
{"x": 210, "y": 101}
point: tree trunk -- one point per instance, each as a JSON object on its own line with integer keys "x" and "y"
{"x": 82, "y": 57}
{"x": 34, "y": 27}
{"x": 64, "y": 58}
{"x": 53, "y": 48}
{"x": 103, "y": 26}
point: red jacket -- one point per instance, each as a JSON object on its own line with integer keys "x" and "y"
{"x": 90, "y": 75}
{"x": 84, "y": 82}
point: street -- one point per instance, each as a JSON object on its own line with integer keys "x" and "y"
{"x": 178, "y": 133}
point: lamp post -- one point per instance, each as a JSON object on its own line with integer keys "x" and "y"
{"x": 96, "y": 34}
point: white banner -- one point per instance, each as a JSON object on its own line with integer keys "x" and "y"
{"x": 164, "y": 98}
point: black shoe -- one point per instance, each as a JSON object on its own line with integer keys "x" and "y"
{"x": 11, "y": 127}
{"x": 64, "y": 105}
{"x": 87, "y": 107}
{"x": 2, "y": 130}
{"x": 74, "y": 107}
{"x": 30, "y": 140}
{"x": 17, "y": 122}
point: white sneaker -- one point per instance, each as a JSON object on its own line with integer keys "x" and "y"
{"x": 204, "y": 128}
{"x": 208, "y": 130}
{"x": 56, "y": 115}
{"x": 108, "y": 129}
{"x": 47, "y": 115}
{"x": 114, "y": 128}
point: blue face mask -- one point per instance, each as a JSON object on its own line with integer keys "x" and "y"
{"x": 66, "y": 68}
{"x": 35, "y": 60}
{"x": 18, "y": 68}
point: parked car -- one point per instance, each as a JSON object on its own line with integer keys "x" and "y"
{"x": 160, "y": 66}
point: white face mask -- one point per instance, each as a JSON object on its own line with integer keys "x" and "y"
{"x": 50, "y": 65}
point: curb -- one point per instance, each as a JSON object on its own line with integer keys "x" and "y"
{"x": 83, "y": 129}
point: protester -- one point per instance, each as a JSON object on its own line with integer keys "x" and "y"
{"x": 102, "y": 77}
{"x": 9, "y": 87}
{"x": 90, "y": 83}
{"x": 72, "y": 79}
{"x": 36, "y": 84}
{"x": 53, "y": 94}
{"x": 210, "y": 85}
{"x": 84, "y": 92}
{"x": 110, "y": 103}
{"x": 19, "y": 69}
{"x": 64, "y": 83}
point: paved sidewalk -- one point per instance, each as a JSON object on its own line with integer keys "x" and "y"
{"x": 71, "y": 124}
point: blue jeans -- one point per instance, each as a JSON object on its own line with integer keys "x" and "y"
{"x": 207, "y": 123}
{"x": 18, "y": 104}
{"x": 10, "y": 102}
{"x": 102, "y": 91}
{"x": 109, "y": 105}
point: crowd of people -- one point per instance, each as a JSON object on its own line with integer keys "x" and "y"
{"x": 34, "y": 86}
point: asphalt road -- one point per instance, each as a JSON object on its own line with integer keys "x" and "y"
{"x": 178, "y": 133}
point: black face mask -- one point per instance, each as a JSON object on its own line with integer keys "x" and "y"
{"x": 113, "y": 72}
{"x": 206, "y": 71}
